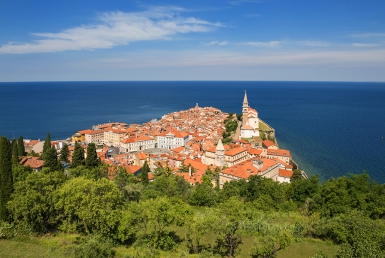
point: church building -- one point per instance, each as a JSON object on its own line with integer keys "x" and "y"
{"x": 250, "y": 121}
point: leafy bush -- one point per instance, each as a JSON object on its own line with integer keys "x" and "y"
{"x": 7, "y": 230}
{"x": 94, "y": 246}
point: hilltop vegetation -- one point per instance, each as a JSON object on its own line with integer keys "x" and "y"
{"x": 81, "y": 213}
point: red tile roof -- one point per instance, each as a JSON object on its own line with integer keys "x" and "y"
{"x": 33, "y": 162}
{"x": 235, "y": 151}
{"x": 285, "y": 173}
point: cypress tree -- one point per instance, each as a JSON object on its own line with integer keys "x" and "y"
{"x": 64, "y": 153}
{"x": 6, "y": 183}
{"x": 78, "y": 156}
{"x": 92, "y": 158}
{"x": 46, "y": 146}
{"x": 15, "y": 152}
{"x": 20, "y": 146}
{"x": 50, "y": 160}
{"x": 145, "y": 170}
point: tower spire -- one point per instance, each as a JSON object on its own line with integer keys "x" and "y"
{"x": 245, "y": 102}
{"x": 245, "y": 111}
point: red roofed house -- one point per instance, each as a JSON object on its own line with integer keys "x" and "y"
{"x": 269, "y": 145}
{"x": 33, "y": 145}
{"x": 33, "y": 162}
{"x": 283, "y": 155}
{"x": 284, "y": 175}
{"x": 222, "y": 157}
{"x": 264, "y": 167}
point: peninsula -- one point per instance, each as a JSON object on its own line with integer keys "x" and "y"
{"x": 189, "y": 143}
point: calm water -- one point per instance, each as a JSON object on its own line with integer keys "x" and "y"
{"x": 331, "y": 128}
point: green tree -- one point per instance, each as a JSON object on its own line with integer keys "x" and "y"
{"x": 94, "y": 246}
{"x": 167, "y": 185}
{"x": 183, "y": 168}
{"x": 302, "y": 189}
{"x": 15, "y": 152}
{"x": 123, "y": 178}
{"x": 20, "y": 172}
{"x": 78, "y": 156}
{"x": 203, "y": 195}
{"x": 268, "y": 246}
{"x": 46, "y": 146}
{"x": 152, "y": 218}
{"x": 64, "y": 153}
{"x": 50, "y": 160}
{"x": 144, "y": 176}
{"x": 92, "y": 158}
{"x": 32, "y": 202}
{"x": 297, "y": 175}
{"x": 227, "y": 227}
{"x": 133, "y": 192}
{"x": 90, "y": 206}
{"x": 20, "y": 146}
{"x": 6, "y": 179}
{"x": 359, "y": 235}
{"x": 163, "y": 171}
{"x": 89, "y": 173}
{"x": 196, "y": 228}
{"x": 228, "y": 191}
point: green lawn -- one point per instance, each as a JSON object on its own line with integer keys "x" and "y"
{"x": 263, "y": 126}
{"x": 308, "y": 248}
{"x": 60, "y": 246}
{"x": 46, "y": 246}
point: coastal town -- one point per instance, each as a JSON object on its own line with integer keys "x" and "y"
{"x": 189, "y": 143}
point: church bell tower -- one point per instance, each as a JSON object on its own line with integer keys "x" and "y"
{"x": 245, "y": 110}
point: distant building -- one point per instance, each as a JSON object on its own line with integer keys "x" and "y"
{"x": 250, "y": 121}
{"x": 269, "y": 168}
{"x": 137, "y": 144}
{"x": 220, "y": 157}
{"x": 172, "y": 139}
{"x": 95, "y": 136}
{"x": 33, "y": 162}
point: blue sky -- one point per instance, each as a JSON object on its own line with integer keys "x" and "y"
{"x": 316, "y": 40}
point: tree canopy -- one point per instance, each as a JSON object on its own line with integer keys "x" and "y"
{"x": 78, "y": 156}
{"x": 6, "y": 179}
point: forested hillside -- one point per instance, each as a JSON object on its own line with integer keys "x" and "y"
{"x": 81, "y": 213}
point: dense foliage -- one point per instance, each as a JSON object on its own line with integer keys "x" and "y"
{"x": 169, "y": 216}
{"x": 78, "y": 156}
{"x": 6, "y": 180}
{"x": 231, "y": 124}
{"x": 46, "y": 146}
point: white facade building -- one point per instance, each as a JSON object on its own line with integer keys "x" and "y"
{"x": 250, "y": 120}
{"x": 172, "y": 139}
{"x": 137, "y": 144}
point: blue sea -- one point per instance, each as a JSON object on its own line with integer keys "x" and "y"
{"x": 331, "y": 128}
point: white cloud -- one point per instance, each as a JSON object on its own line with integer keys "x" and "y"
{"x": 263, "y": 44}
{"x": 219, "y": 43}
{"x": 364, "y": 45}
{"x": 368, "y": 35}
{"x": 114, "y": 29}
{"x": 236, "y": 59}
{"x": 309, "y": 43}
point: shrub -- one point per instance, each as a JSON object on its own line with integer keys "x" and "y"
{"x": 94, "y": 246}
